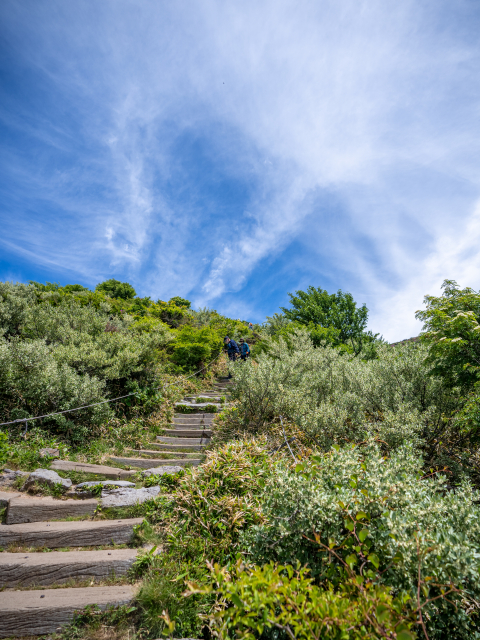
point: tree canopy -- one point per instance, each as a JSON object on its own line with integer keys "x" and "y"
{"x": 116, "y": 289}
{"x": 336, "y": 311}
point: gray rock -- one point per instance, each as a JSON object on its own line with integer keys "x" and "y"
{"x": 45, "y": 476}
{"x": 48, "y": 452}
{"x": 82, "y": 490}
{"x": 128, "y": 497}
{"x": 8, "y": 477}
{"x": 161, "y": 470}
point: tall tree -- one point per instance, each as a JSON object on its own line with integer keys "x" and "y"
{"x": 337, "y": 311}
{"x": 116, "y": 289}
{"x": 452, "y": 329}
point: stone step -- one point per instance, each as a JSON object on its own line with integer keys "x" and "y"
{"x": 185, "y": 448}
{"x": 81, "y": 533}
{"x": 57, "y": 567}
{"x": 195, "y": 416}
{"x": 161, "y": 451}
{"x": 100, "y": 469}
{"x": 40, "y": 509}
{"x": 213, "y": 399}
{"x": 188, "y": 433}
{"x": 25, "y": 613}
{"x": 196, "y": 405}
{"x": 182, "y": 441}
{"x": 192, "y": 421}
{"x": 6, "y": 496}
{"x": 145, "y": 463}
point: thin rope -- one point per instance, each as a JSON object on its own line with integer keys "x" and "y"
{"x": 95, "y": 404}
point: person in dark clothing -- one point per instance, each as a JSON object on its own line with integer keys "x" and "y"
{"x": 244, "y": 349}
{"x": 232, "y": 349}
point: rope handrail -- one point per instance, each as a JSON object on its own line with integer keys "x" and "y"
{"x": 94, "y": 404}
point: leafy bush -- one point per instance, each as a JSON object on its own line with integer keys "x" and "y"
{"x": 4, "y": 448}
{"x": 257, "y": 600}
{"x": 352, "y": 510}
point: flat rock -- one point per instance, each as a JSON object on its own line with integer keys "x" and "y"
{"x": 128, "y": 497}
{"x": 6, "y": 496}
{"x": 25, "y": 613}
{"x": 86, "y": 467}
{"x": 57, "y": 567}
{"x": 55, "y": 535}
{"x": 159, "y": 471}
{"x": 21, "y": 509}
{"x": 46, "y": 476}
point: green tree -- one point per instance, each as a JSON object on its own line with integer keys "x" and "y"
{"x": 338, "y": 311}
{"x": 116, "y": 289}
{"x": 452, "y": 330}
{"x": 180, "y": 302}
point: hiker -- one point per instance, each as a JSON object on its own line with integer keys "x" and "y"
{"x": 250, "y": 326}
{"x": 233, "y": 351}
{"x": 244, "y": 349}
{"x": 232, "y": 348}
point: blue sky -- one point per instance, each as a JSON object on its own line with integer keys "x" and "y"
{"x": 232, "y": 152}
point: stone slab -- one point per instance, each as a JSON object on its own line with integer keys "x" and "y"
{"x": 161, "y": 450}
{"x": 146, "y": 463}
{"x": 54, "y": 535}
{"x": 182, "y": 441}
{"x": 99, "y": 469}
{"x": 57, "y": 567}
{"x": 181, "y": 447}
{"x": 128, "y": 497}
{"x": 181, "y": 432}
{"x": 41, "y": 509}
{"x": 203, "y": 417}
{"x": 24, "y": 613}
{"x": 6, "y": 496}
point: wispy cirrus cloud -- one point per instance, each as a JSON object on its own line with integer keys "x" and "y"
{"x": 231, "y": 153}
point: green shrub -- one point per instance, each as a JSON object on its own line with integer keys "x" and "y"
{"x": 278, "y": 601}
{"x": 4, "y": 448}
{"x": 384, "y": 521}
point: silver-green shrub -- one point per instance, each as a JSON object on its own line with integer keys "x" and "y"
{"x": 387, "y": 522}
{"x": 57, "y": 353}
{"x": 334, "y": 397}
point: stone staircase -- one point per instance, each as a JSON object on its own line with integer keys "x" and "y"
{"x": 31, "y": 567}
{"x": 34, "y": 524}
{"x": 187, "y": 437}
